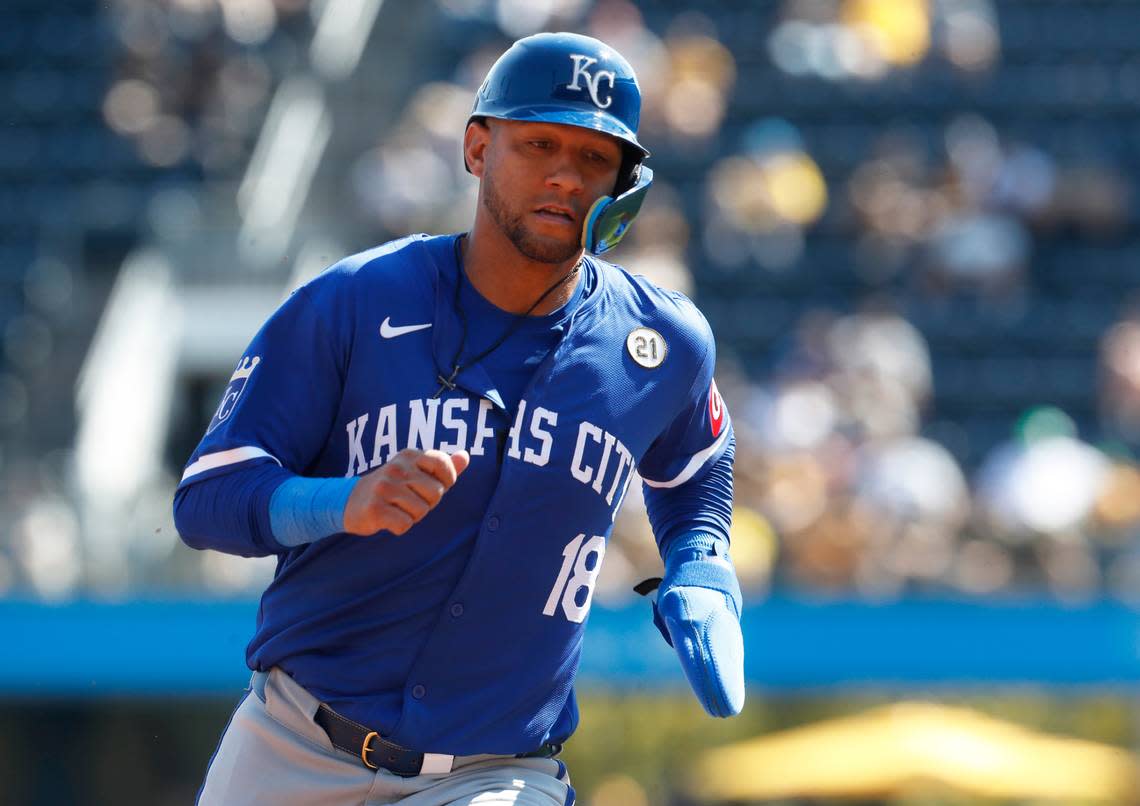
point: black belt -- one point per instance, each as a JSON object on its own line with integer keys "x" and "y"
{"x": 375, "y": 751}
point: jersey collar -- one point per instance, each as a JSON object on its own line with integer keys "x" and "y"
{"x": 447, "y": 329}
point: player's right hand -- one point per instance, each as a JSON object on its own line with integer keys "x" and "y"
{"x": 397, "y": 495}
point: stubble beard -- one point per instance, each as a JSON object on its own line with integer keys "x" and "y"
{"x": 531, "y": 246}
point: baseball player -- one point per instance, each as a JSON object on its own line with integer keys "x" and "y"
{"x": 434, "y": 437}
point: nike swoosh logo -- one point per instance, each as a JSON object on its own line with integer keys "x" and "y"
{"x": 388, "y": 331}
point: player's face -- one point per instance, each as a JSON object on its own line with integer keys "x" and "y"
{"x": 539, "y": 180}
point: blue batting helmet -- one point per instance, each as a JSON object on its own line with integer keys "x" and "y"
{"x": 564, "y": 78}
{"x": 579, "y": 81}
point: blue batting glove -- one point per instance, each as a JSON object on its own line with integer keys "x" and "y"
{"x": 698, "y": 611}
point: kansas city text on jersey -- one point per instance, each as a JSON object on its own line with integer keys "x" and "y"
{"x": 599, "y": 460}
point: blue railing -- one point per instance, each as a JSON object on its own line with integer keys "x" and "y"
{"x": 194, "y": 648}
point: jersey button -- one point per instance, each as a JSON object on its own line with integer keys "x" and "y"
{"x": 418, "y": 692}
{"x": 493, "y": 523}
{"x": 457, "y": 610}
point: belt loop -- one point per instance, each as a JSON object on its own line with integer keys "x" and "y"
{"x": 436, "y": 764}
{"x": 257, "y": 684}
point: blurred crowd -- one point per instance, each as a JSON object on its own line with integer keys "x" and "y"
{"x": 193, "y": 77}
{"x": 851, "y": 478}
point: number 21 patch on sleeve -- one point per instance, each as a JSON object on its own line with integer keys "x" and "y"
{"x": 646, "y": 346}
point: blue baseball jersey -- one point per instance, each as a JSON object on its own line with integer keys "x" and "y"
{"x": 462, "y": 635}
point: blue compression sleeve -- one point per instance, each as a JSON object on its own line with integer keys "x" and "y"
{"x": 303, "y": 510}
{"x": 230, "y": 512}
{"x": 700, "y": 505}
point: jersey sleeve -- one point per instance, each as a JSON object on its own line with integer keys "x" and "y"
{"x": 282, "y": 397}
{"x": 697, "y": 435}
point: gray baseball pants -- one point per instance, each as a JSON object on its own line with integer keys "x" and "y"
{"x": 273, "y": 752}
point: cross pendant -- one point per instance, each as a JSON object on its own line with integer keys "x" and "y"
{"x": 446, "y": 383}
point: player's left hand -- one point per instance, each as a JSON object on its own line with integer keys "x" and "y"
{"x": 698, "y": 611}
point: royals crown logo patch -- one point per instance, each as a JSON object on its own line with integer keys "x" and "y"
{"x": 233, "y": 392}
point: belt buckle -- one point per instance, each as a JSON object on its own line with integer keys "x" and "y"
{"x": 430, "y": 763}
{"x": 365, "y": 750}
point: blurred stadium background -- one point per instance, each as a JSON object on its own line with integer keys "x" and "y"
{"x": 913, "y": 225}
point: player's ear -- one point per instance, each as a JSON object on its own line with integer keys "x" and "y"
{"x": 475, "y": 141}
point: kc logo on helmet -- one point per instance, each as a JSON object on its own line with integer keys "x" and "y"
{"x": 581, "y": 62}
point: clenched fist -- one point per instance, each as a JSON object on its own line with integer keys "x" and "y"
{"x": 399, "y": 494}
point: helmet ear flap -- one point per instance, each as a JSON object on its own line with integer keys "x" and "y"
{"x": 610, "y": 216}
{"x": 629, "y": 171}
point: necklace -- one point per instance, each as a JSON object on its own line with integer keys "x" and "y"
{"x": 448, "y": 383}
